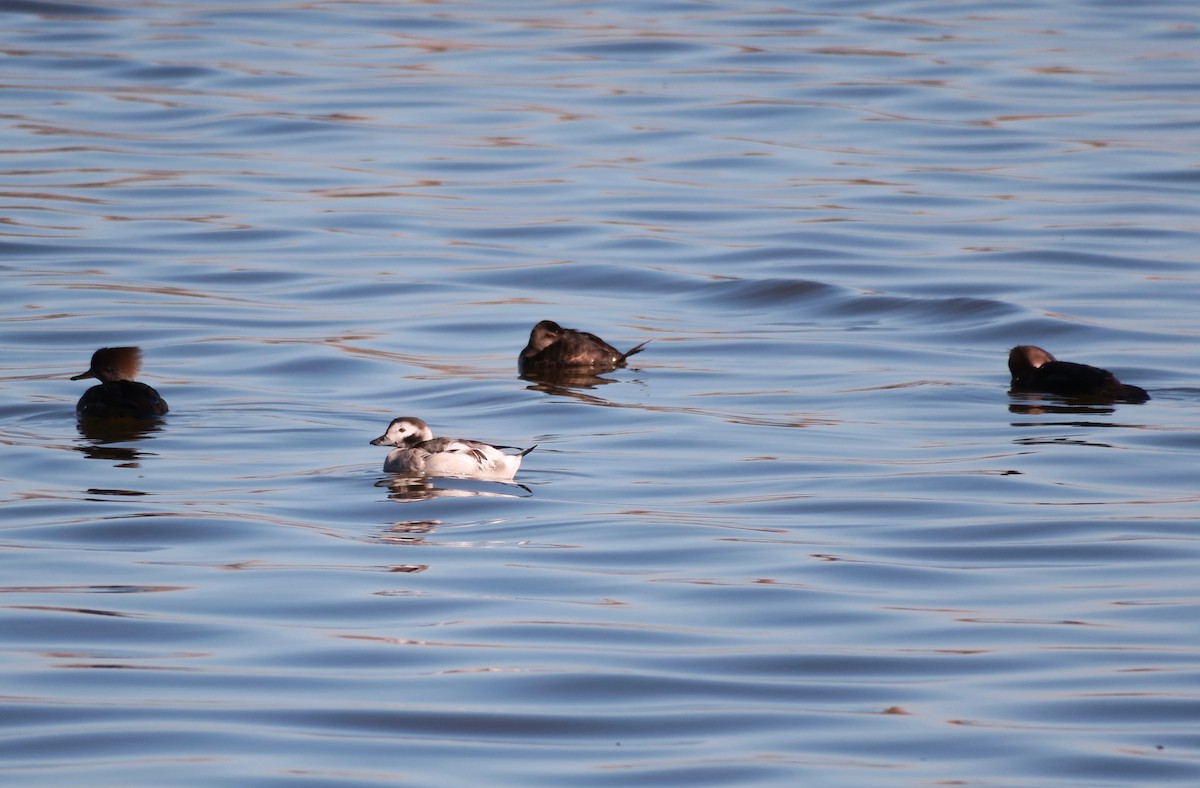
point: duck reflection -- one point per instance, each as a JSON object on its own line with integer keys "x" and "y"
{"x": 562, "y": 381}
{"x": 1060, "y": 430}
{"x": 101, "y": 436}
{"x": 409, "y": 489}
{"x": 1036, "y": 405}
{"x": 408, "y": 532}
{"x": 103, "y": 493}
{"x": 1059, "y": 440}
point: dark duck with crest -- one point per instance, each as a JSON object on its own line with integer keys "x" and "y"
{"x": 118, "y": 395}
{"x": 1034, "y": 369}
{"x": 553, "y": 348}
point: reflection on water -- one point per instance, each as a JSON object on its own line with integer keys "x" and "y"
{"x": 112, "y": 492}
{"x": 408, "y": 533}
{"x": 101, "y": 431}
{"x": 809, "y": 538}
{"x": 562, "y": 381}
{"x": 1037, "y": 406}
{"x": 407, "y": 489}
{"x": 101, "y": 435}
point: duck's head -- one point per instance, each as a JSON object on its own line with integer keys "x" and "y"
{"x": 1023, "y": 359}
{"x": 544, "y": 334}
{"x": 404, "y": 431}
{"x": 113, "y": 363}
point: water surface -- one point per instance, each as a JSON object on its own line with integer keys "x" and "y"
{"x": 808, "y": 537}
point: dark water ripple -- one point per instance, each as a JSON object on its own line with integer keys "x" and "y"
{"x": 806, "y": 537}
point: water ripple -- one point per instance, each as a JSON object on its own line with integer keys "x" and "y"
{"x": 808, "y": 535}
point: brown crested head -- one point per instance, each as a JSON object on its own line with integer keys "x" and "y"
{"x": 113, "y": 363}
{"x": 1023, "y": 359}
{"x": 543, "y": 335}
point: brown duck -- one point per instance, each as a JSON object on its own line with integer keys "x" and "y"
{"x": 118, "y": 395}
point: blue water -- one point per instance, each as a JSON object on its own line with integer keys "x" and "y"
{"x": 808, "y": 537}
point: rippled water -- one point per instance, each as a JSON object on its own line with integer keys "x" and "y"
{"x": 808, "y": 537}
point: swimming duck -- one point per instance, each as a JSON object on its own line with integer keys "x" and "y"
{"x": 418, "y": 453}
{"x": 118, "y": 395}
{"x": 1034, "y": 369}
{"x": 552, "y": 347}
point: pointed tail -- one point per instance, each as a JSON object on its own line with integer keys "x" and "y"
{"x": 634, "y": 349}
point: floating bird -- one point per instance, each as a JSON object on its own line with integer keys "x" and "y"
{"x": 1034, "y": 369}
{"x": 552, "y": 348}
{"x": 118, "y": 395}
{"x": 418, "y": 453}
